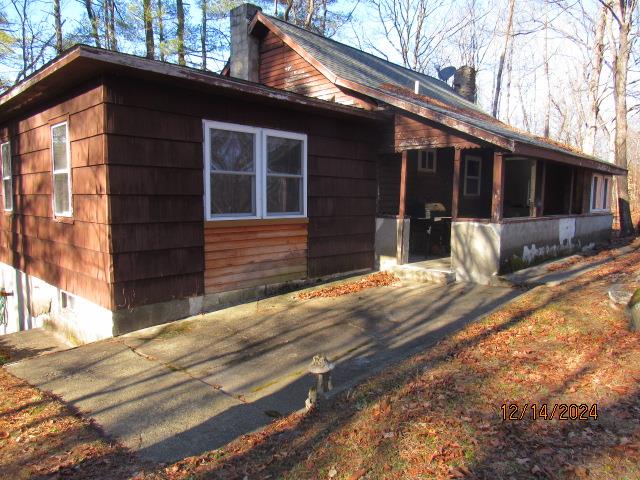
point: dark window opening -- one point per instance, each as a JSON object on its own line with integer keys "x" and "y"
{"x": 519, "y": 187}
{"x": 558, "y": 189}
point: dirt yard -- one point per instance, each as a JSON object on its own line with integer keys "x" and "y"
{"x": 562, "y": 354}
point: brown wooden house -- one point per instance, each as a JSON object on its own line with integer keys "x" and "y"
{"x": 137, "y": 192}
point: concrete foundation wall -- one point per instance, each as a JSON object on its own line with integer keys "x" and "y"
{"x": 389, "y": 233}
{"x": 475, "y": 251}
{"x": 525, "y": 243}
{"x": 35, "y": 303}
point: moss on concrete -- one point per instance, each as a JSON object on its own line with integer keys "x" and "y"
{"x": 635, "y": 299}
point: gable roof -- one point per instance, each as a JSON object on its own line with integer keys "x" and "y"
{"x": 82, "y": 62}
{"x": 356, "y": 70}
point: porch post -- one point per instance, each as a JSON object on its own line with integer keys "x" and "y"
{"x": 498, "y": 187}
{"x": 403, "y": 185}
{"x": 401, "y": 209}
{"x": 456, "y": 183}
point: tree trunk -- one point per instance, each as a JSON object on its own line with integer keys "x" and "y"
{"x": 148, "y": 29}
{"x": 620, "y": 71}
{"x": 160, "y": 22}
{"x": 594, "y": 83}
{"x": 287, "y": 10}
{"x": 547, "y": 76}
{"x": 58, "y": 25}
{"x": 111, "y": 24}
{"x": 94, "y": 22}
{"x": 505, "y": 47}
{"x": 180, "y": 32}
{"x": 309, "y": 18}
{"x": 203, "y": 35}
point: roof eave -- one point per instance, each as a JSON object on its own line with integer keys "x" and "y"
{"x": 32, "y": 89}
{"x": 550, "y": 153}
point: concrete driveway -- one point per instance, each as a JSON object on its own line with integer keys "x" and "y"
{"x": 183, "y": 388}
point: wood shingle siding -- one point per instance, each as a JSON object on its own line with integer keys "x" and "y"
{"x": 73, "y": 255}
{"x": 282, "y": 67}
{"x": 161, "y": 242}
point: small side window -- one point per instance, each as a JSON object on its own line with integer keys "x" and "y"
{"x": 7, "y": 177}
{"x": 600, "y": 193}
{"x": 427, "y": 160}
{"x": 62, "y": 205}
{"x": 472, "y": 176}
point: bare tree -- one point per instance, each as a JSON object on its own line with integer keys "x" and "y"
{"x": 57, "y": 20}
{"x": 624, "y": 17}
{"x": 180, "y": 32}
{"x": 160, "y": 23}
{"x": 507, "y": 39}
{"x": 94, "y": 21}
{"x": 203, "y": 33}
{"x": 594, "y": 82}
{"x": 147, "y": 16}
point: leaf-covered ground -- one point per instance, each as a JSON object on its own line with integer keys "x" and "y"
{"x": 436, "y": 415}
{"x": 40, "y": 437}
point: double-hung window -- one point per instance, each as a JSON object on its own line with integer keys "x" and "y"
{"x": 472, "y": 171}
{"x": 7, "y": 179}
{"x": 253, "y": 173}
{"x": 62, "y": 205}
{"x": 600, "y": 193}
{"x": 427, "y": 160}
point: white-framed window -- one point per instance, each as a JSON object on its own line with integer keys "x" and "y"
{"x": 67, "y": 300}
{"x": 427, "y": 160}
{"x": 7, "y": 176}
{"x": 600, "y": 193}
{"x": 61, "y": 161}
{"x": 253, "y": 172}
{"x": 472, "y": 176}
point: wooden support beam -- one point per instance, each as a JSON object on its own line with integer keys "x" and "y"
{"x": 543, "y": 185}
{"x": 456, "y": 183}
{"x": 498, "y": 187}
{"x": 532, "y": 188}
{"x": 573, "y": 174}
{"x": 403, "y": 185}
{"x": 402, "y": 208}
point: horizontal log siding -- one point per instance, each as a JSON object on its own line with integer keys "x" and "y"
{"x": 72, "y": 255}
{"x": 162, "y": 247}
{"x": 247, "y": 256}
{"x": 282, "y": 67}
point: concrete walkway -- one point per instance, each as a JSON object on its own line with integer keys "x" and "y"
{"x": 191, "y": 386}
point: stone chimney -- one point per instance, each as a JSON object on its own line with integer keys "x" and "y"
{"x": 464, "y": 83}
{"x": 243, "y": 63}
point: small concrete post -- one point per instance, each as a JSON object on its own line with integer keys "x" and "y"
{"x": 321, "y": 367}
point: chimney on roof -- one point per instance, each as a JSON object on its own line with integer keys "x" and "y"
{"x": 243, "y": 62}
{"x": 464, "y": 83}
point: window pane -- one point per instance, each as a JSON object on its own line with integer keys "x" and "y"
{"x": 233, "y": 194}
{"x": 232, "y": 151}
{"x": 6, "y": 160}
{"x": 8, "y": 194}
{"x": 59, "y": 136}
{"x": 473, "y": 186}
{"x": 61, "y": 195}
{"x": 594, "y": 194}
{"x": 284, "y": 195}
{"x": 605, "y": 192}
{"x": 284, "y": 155}
{"x": 473, "y": 168}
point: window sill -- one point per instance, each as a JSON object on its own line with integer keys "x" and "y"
{"x": 63, "y": 219}
{"x": 257, "y": 221}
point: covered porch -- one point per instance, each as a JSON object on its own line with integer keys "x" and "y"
{"x": 447, "y": 199}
